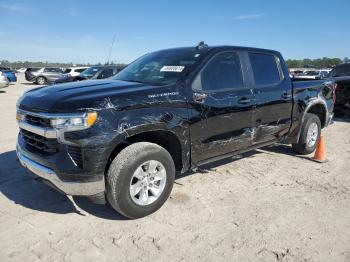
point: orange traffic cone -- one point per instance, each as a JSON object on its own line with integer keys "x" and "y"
{"x": 320, "y": 153}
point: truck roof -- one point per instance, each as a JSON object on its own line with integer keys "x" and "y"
{"x": 225, "y": 47}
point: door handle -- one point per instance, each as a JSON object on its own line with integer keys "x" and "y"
{"x": 199, "y": 97}
{"x": 244, "y": 100}
{"x": 286, "y": 95}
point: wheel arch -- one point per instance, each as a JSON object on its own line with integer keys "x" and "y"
{"x": 316, "y": 106}
{"x": 164, "y": 138}
{"x": 319, "y": 109}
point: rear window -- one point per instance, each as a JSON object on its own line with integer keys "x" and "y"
{"x": 341, "y": 70}
{"x": 312, "y": 73}
{"x": 33, "y": 69}
{"x": 53, "y": 70}
{"x": 265, "y": 69}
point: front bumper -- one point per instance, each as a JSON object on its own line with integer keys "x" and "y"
{"x": 69, "y": 188}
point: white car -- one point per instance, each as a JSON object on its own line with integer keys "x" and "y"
{"x": 74, "y": 71}
{"x": 21, "y": 70}
{"x": 4, "y": 82}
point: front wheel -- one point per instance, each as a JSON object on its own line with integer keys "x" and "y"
{"x": 140, "y": 179}
{"x": 309, "y": 135}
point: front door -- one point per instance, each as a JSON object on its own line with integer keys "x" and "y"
{"x": 221, "y": 110}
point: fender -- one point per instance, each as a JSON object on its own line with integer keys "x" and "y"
{"x": 294, "y": 138}
{"x": 165, "y": 122}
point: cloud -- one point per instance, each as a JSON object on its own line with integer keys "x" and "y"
{"x": 248, "y": 17}
{"x": 11, "y": 7}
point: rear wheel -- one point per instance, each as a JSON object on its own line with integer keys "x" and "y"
{"x": 140, "y": 179}
{"x": 309, "y": 135}
{"x": 41, "y": 80}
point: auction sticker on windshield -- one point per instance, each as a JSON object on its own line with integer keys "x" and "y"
{"x": 177, "y": 69}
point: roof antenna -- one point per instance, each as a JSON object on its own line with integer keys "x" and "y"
{"x": 110, "y": 50}
{"x": 201, "y": 45}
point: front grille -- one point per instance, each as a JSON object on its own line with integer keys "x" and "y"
{"x": 38, "y": 121}
{"x": 39, "y": 143}
{"x": 76, "y": 154}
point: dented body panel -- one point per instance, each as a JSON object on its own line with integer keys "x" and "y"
{"x": 193, "y": 126}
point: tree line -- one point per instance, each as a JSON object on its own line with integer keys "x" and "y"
{"x": 26, "y": 64}
{"x": 324, "y": 62}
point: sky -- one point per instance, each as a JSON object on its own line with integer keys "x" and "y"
{"x": 81, "y": 31}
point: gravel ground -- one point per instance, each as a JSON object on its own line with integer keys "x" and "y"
{"x": 266, "y": 205}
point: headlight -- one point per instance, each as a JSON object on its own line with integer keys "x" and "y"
{"x": 20, "y": 116}
{"x": 74, "y": 122}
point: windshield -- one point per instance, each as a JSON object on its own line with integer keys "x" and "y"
{"x": 341, "y": 70}
{"x": 160, "y": 68}
{"x": 90, "y": 72}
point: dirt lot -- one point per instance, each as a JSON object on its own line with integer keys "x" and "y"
{"x": 267, "y": 205}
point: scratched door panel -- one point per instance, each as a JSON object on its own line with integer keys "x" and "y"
{"x": 221, "y": 110}
{"x": 220, "y": 125}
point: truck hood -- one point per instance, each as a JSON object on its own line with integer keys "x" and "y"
{"x": 75, "y": 96}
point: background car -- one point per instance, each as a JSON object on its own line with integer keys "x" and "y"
{"x": 74, "y": 71}
{"x": 11, "y": 76}
{"x": 313, "y": 74}
{"x": 21, "y": 70}
{"x": 4, "y": 82}
{"x": 94, "y": 72}
{"x": 42, "y": 76}
{"x": 341, "y": 76}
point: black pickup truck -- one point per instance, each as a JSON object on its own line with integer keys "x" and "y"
{"x": 341, "y": 75}
{"x": 168, "y": 112}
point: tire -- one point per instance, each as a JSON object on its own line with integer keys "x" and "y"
{"x": 311, "y": 121}
{"x": 121, "y": 179}
{"x": 41, "y": 80}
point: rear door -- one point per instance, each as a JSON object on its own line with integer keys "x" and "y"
{"x": 273, "y": 94}
{"x": 52, "y": 74}
{"x": 221, "y": 110}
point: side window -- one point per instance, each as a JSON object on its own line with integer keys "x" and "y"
{"x": 222, "y": 72}
{"x": 265, "y": 69}
{"x": 53, "y": 70}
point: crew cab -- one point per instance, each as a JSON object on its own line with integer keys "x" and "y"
{"x": 168, "y": 112}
